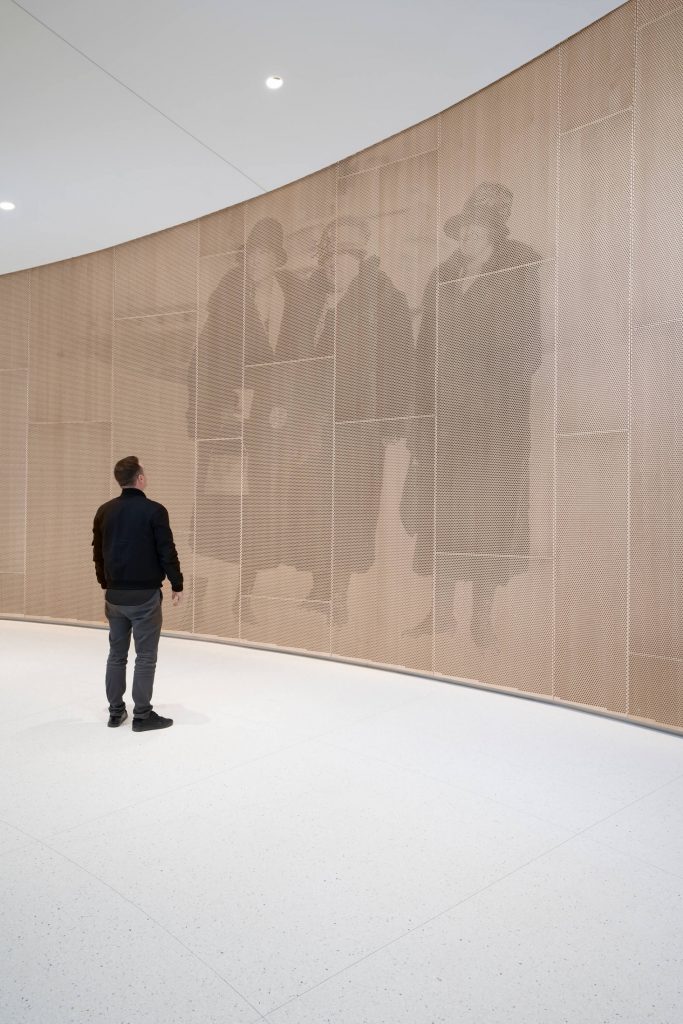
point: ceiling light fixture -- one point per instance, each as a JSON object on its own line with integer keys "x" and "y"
{"x": 6, "y": 205}
{"x": 274, "y": 82}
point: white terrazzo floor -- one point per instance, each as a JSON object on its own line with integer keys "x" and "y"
{"x": 316, "y": 843}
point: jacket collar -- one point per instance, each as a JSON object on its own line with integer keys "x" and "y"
{"x": 132, "y": 492}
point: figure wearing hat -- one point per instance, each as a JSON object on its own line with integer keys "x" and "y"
{"x": 374, "y": 374}
{"x": 489, "y": 346}
{"x": 256, "y": 304}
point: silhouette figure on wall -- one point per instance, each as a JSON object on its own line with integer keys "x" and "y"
{"x": 489, "y": 346}
{"x": 255, "y": 309}
{"x": 373, "y": 379}
{"x": 284, "y": 413}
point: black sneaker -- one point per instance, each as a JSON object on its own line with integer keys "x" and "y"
{"x": 154, "y": 721}
{"x": 115, "y": 720}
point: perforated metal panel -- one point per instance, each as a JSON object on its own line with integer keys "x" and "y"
{"x": 656, "y": 690}
{"x": 69, "y": 468}
{"x": 287, "y": 503}
{"x": 384, "y": 450}
{"x": 505, "y": 135}
{"x": 12, "y": 593}
{"x": 14, "y": 329}
{"x": 594, "y": 281}
{"x": 657, "y": 492}
{"x": 14, "y": 321}
{"x": 13, "y": 422}
{"x": 70, "y": 340}
{"x": 157, "y": 274}
{"x": 591, "y": 658}
{"x": 496, "y": 634}
{"x": 222, "y": 232}
{"x": 217, "y": 536}
{"x": 149, "y": 401}
{"x": 648, "y": 10}
{"x": 420, "y": 409}
{"x": 383, "y": 503}
{"x": 658, "y": 191}
{"x": 597, "y": 70}
{"x": 420, "y": 138}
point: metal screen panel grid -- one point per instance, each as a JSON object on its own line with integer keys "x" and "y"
{"x": 215, "y": 387}
{"x": 222, "y": 231}
{"x": 218, "y": 378}
{"x": 386, "y": 255}
{"x": 498, "y": 150}
{"x": 149, "y": 401}
{"x": 157, "y": 273}
{"x": 648, "y": 10}
{"x": 71, "y": 328}
{"x": 68, "y": 477}
{"x": 14, "y": 320}
{"x": 656, "y": 690}
{"x": 591, "y": 658}
{"x": 658, "y": 185}
{"x": 420, "y": 138}
{"x": 12, "y": 593}
{"x": 494, "y": 492}
{"x": 597, "y": 69}
{"x": 383, "y": 504}
{"x": 286, "y": 413}
{"x": 496, "y": 635}
{"x": 657, "y": 492}
{"x": 594, "y": 282}
{"x": 216, "y": 537}
{"x": 494, "y": 483}
{"x": 13, "y": 426}
{"x": 287, "y": 504}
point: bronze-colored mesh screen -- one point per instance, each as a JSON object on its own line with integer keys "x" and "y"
{"x": 14, "y": 321}
{"x": 648, "y": 10}
{"x": 13, "y": 416}
{"x": 657, "y": 492}
{"x": 495, "y": 634}
{"x": 216, "y": 540}
{"x": 421, "y": 138}
{"x": 658, "y": 191}
{"x": 70, "y": 341}
{"x": 505, "y": 135}
{"x": 594, "y": 255}
{"x": 12, "y": 593}
{"x": 68, "y": 477}
{"x": 656, "y": 690}
{"x": 597, "y": 70}
{"x": 383, "y": 507}
{"x": 591, "y": 592}
{"x": 420, "y": 409}
{"x": 222, "y": 231}
{"x": 157, "y": 274}
{"x": 149, "y": 395}
{"x": 287, "y": 503}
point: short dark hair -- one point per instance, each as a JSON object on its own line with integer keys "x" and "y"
{"x": 127, "y": 470}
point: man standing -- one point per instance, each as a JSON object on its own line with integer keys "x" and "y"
{"x": 133, "y": 551}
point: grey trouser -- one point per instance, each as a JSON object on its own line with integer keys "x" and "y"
{"x": 144, "y": 621}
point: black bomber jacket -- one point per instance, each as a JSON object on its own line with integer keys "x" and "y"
{"x": 133, "y": 546}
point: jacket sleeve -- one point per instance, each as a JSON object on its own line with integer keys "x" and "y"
{"x": 166, "y": 550}
{"x": 97, "y": 555}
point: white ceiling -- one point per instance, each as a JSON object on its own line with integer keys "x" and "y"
{"x": 122, "y": 117}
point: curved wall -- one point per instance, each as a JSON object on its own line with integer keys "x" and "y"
{"x": 422, "y": 408}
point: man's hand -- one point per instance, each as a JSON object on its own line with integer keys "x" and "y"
{"x": 176, "y": 597}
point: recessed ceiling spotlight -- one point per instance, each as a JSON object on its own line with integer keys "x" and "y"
{"x": 274, "y": 82}
{"x": 7, "y": 205}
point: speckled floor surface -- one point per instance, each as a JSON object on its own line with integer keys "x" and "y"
{"x": 315, "y": 843}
